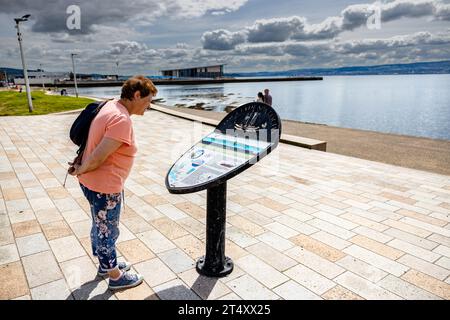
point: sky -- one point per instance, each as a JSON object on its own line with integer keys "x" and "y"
{"x": 146, "y": 36}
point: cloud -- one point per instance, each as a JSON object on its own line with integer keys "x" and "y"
{"x": 138, "y": 57}
{"x": 181, "y": 45}
{"x": 275, "y": 30}
{"x": 117, "y": 31}
{"x": 407, "y": 9}
{"x": 295, "y": 27}
{"x": 126, "y": 46}
{"x": 62, "y": 38}
{"x": 442, "y": 12}
{"x": 271, "y": 30}
{"x": 327, "y": 29}
{"x": 352, "y": 17}
{"x": 414, "y": 40}
{"x": 426, "y": 45}
{"x": 355, "y": 16}
{"x": 218, "y": 13}
{"x": 198, "y": 8}
{"x": 173, "y": 53}
{"x": 222, "y": 39}
{"x": 51, "y": 16}
{"x": 267, "y": 50}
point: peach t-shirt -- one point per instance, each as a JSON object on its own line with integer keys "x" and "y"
{"x": 113, "y": 121}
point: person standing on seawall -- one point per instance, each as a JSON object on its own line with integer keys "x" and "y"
{"x": 260, "y": 97}
{"x": 105, "y": 165}
{"x": 267, "y": 97}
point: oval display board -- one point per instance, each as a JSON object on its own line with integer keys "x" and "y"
{"x": 241, "y": 139}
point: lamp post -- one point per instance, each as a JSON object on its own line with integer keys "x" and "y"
{"x": 24, "y": 66}
{"x": 42, "y": 76}
{"x": 74, "y": 74}
{"x": 6, "y": 79}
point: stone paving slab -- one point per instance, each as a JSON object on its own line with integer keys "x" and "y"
{"x": 301, "y": 224}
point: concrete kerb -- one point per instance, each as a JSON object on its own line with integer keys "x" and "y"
{"x": 285, "y": 138}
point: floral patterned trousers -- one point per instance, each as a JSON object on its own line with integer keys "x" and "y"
{"x": 105, "y": 210}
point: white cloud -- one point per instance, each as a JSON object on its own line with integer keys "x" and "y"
{"x": 138, "y": 57}
{"x": 442, "y": 12}
{"x": 352, "y": 17}
{"x": 407, "y": 8}
{"x": 197, "y": 8}
{"x": 222, "y": 39}
{"x": 181, "y": 45}
{"x": 118, "y": 31}
{"x": 122, "y": 47}
{"x": 50, "y": 16}
{"x": 327, "y": 29}
{"x": 414, "y": 40}
{"x": 275, "y": 30}
{"x": 351, "y": 52}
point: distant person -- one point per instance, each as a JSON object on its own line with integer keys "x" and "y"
{"x": 20, "y": 89}
{"x": 105, "y": 165}
{"x": 64, "y": 92}
{"x": 260, "y": 97}
{"x": 267, "y": 97}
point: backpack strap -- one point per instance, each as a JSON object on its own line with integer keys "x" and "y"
{"x": 83, "y": 146}
{"x": 103, "y": 103}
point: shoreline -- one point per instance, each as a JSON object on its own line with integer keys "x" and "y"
{"x": 193, "y": 81}
{"x": 412, "y": 152}
{"x": 406, "y": 151}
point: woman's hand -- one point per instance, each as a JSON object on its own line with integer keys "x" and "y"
{"x": 75, "y": 167}
{"x": 75, "y": 170}
{"x": 106, "y": 147}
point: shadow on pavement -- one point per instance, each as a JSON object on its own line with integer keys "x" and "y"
{"x": 98, "y": 290}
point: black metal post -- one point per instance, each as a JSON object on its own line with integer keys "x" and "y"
{"x": 214, "y": 263}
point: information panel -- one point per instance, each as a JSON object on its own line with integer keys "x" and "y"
{"x": 242, "y": 138}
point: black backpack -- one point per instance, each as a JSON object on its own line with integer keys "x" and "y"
{"x": 80, "y": 128}
{"x": 79, "y": 132}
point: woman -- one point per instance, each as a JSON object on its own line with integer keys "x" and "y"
{"x": 106, "y": 163}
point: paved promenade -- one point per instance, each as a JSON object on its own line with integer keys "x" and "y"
{"x": 301, "y": 224}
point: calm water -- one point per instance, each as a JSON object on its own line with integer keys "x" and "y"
{"x": 417, "y": 105}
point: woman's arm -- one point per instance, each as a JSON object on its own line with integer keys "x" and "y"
{"x": 106, "y": 147}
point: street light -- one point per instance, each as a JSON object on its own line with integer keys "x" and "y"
{"x": 24, "y": 66}
{"x": 42, "y": 76}
{"x": 6, "y": 78}
{"x": 74, "y": 74}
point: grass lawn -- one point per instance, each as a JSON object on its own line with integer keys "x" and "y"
{"x": 13, "y": 103}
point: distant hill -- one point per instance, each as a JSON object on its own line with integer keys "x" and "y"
{"x": 436, "y": 67}
{"x": 13, "y": 72}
